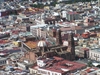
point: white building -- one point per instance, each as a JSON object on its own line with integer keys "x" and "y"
{"x": 94, "y": 54}
{"x": 3, "y": 61}
{"x": 98, "y": 2}
{"x": 64, "y": 14}
{"x": 72, "y": 16}
{"x": 37, "y": 30}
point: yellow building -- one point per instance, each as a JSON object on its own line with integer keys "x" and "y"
{"x": 17, "y": 43}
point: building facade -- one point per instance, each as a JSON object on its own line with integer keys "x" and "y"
{"x": 72, "y": 16}
{"x": 94, "y": 54}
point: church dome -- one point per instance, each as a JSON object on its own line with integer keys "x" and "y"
{"x": 65, "y": 43}
{"x": 42, "y": 43}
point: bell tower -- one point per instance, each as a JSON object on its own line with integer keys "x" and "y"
{"x": 71, "y": 46}
{"x": 58, "y": 37}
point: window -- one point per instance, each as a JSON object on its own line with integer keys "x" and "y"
{"x": 98, "y": 56}
{"x": 48, "y": 73}
{"x": 0, "y": 62}
{"x": 94, "y": 55}
{"x": 5, "y": 61}
{"x": 52, "y": 73}
{"x": 91, "y": 54}
{"x": 39, "y": 71}
{"x": 43, "y": 72}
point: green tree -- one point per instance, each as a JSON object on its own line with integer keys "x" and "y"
{"x": 89, "y": 64}
{"x": 53, "y": 3}
{"x": 37, "y": 5}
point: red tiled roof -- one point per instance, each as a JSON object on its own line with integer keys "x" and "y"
{"x": 71, "y": 28}
{"x": 58, "y": 66}
{"x": 3, "y": 41}
{"x": 15, "y": 32}
{"x": 57, "y": 58}
{"x": 72, "y": 13}
{"x": 62, "y": 66}
{"x": 85, "y": 49}
{"x": 91, "y": 69}
{"x": 18, "y": 69}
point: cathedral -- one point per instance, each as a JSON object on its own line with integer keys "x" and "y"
{"x": 66, "y": 52}
{"x": 63, "y": 49}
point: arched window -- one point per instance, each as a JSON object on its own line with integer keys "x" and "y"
{"x": 48, "y": 73}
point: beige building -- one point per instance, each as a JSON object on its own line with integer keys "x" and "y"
{"x": 98, "y": 2}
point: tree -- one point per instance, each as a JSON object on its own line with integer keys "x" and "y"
{"x": 53, "y": 3}
{"x": 37, "y": 5}
{"x": 90, "y": 64}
